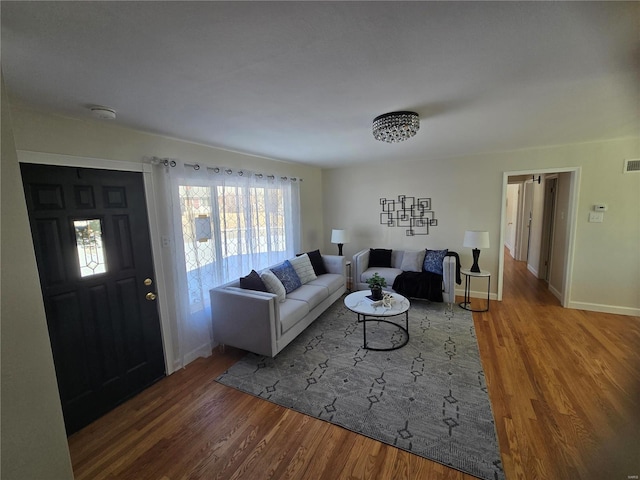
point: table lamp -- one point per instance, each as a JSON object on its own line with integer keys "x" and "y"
{"x": 340, "y": 237}
{"x": 476, "y": 240}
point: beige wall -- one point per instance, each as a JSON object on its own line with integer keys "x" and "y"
{"x": 466, "y": 195}
{"x": 34, "y": 442}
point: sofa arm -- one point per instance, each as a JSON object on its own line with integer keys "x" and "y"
{"x": 335, "y": 264}
{"x": 359, "y": 264}
{"x": 245, "y": 319}
{"x": 449, "y": 279}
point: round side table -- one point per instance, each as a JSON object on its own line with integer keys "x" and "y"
{"x": 468, "y": 274}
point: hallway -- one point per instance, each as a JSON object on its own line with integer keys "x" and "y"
{"x": 520, "y": 285}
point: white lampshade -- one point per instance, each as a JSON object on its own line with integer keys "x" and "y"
{"x": 476, "y": 239}
{"x": 340, "y": 236}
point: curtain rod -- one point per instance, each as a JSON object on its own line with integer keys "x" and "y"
{"x": 170, "y": 162}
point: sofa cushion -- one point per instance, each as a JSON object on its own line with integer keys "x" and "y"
{"x": 389, "y": 274}
{"x": 291, "y": 312}
{"x": 379, "y": 257}
{"x": 331, "y": 281}
{"x": 312, "y": 294}
{"x": 287, "y": 275}
{"x": 317, "y": 262}
{"x": 303, "y": 268}
{"x": 412, "y": 261}
{"x": 433, "y": 260}
{"x": 253, "y": 282}
{"x": 273, "y": 284}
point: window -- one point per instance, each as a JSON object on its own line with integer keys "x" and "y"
{"x": 251, "y": 227}
{"x": 224, "y": 224}
{"x": 89, "y": 247}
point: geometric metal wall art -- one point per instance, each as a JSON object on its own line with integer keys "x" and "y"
{"x": 407, "y": 212}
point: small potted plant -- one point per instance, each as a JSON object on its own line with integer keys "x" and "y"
{"x": 376, "y": 282}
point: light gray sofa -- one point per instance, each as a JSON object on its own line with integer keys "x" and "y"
{"x": 362, "y": 272}
{"x": 257, "y": 322}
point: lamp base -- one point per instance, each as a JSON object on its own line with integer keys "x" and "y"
{"x": 476, "y": 255}
{"x": 340, "y": 249}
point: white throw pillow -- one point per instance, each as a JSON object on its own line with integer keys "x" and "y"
{"x": 273, "y": 284}
{"x": 304, "y": 269}
{"x": 412, "y": 261}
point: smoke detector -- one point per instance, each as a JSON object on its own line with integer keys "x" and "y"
{"x": 103, "y": 113}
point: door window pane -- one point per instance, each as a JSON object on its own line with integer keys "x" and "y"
{"x": 89, "y": 246}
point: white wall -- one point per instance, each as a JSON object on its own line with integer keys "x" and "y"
{"x": 513, "y": 196}
{"x": 560, "y": 236}
{"x": 34, "y": 442}
{"x": 535, "y": 241}
{"x": 466, "y": 194}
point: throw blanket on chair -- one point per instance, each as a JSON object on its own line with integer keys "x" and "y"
{"x": 424, "y": 285}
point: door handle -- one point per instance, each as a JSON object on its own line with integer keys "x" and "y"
{"x": 150, "y": 296}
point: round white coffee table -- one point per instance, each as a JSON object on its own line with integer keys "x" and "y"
{"x": 370, "y": 311}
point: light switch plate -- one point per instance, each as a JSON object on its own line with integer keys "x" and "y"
{"x": 596, "y": 217}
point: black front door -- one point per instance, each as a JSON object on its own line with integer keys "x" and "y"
{"x": 91, "y": 237}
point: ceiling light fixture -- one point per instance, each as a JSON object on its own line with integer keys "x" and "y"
{"x": 395, "y": 127}
{"x": 103, "y": 113}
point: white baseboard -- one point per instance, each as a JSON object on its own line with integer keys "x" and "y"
{"x": 597, "y": 307}
{"x": 203, "y": 350}
{"x": 476, "y": 294}
{"x": 532, "y": 270}
{"x": 556, "y": 293}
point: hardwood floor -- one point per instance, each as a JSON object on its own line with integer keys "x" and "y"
{"x": 564, "y": 387}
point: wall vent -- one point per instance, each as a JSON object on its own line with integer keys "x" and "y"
{"x": 632, "y": 165}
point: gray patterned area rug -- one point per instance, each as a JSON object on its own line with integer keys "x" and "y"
{"x": 428, "y": 397}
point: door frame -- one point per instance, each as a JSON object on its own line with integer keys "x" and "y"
{"x": 41, "y": 158}
{"x": 548, "y": 221}
{"x": 572, "y": 219}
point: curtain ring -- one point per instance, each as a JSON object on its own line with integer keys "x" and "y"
{"x": 259, "y": 175}
{"x": 283, "y": 178}
{"x": 228, "y": 171}
{"x": 216, "y": 170}
{"x": 241, "y": 173}
{"x": 196, "y": 167}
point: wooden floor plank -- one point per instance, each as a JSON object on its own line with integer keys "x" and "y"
{"x": 564, "y": 387}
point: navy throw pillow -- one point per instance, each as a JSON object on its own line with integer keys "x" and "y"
{"x": 288, "y": 276}
{"x": 433, "y": 260}
{"x": 379, "y": 257}
{"x": 253, "y": 282}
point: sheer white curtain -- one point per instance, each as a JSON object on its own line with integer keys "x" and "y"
{"x": 225, "y": 222}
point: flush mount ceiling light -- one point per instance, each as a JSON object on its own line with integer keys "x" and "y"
{"x": 103, "y": 113}
{"x": 395, "y": 127}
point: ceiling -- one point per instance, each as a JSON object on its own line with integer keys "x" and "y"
{"x": 302, "y": 81}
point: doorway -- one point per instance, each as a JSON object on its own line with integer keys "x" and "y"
{"x": 91, "y": 237}
{"x": 532, "y": 250}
